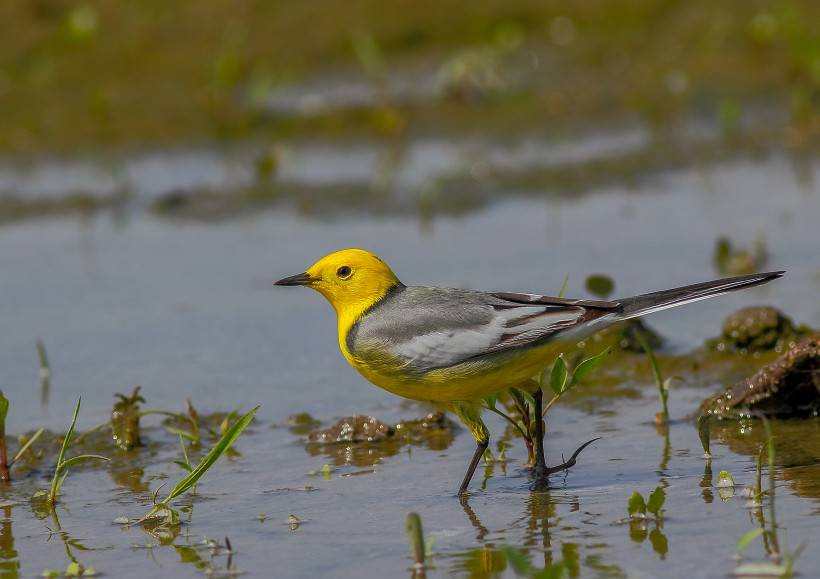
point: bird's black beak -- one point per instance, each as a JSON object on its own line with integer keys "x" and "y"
{"x": 298, "y": 279}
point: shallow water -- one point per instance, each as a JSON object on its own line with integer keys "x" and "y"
{"x": 186, "y": 309}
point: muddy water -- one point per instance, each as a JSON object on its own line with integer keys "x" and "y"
{"x": 185, "y": 308}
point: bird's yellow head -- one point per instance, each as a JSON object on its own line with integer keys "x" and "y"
{"x": 351, "y": 279}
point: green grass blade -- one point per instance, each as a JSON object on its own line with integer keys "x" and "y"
{"x": 180, "y": 433}
{"x": 26, "y": 446}
{"x": 207, "y": 462}
{"x": 75, "y": 460}
{"x": 563, "y": 289}
{"x": 653, "y": 362}
{"x": 69, "y": 434}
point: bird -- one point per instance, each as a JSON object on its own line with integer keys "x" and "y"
{"x": 459, "y": 346}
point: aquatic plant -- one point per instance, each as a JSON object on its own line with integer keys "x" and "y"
{"x": 64, "y": 465}
{"x": 5, "y": 463}
{"x": 125, "y": 419}
{"x": 415, "y": 536}
{"x": 561, "y": 380}
{"x": 161, "y": 512}
{"x": 192, "y": 418}
{"x": 637, "y": 507}
{"x": 662, "y": 417}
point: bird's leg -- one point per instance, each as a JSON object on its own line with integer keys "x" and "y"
{"x": 540, "y": 470}
{"x": 479, "y": 452}
{"x": 470, "y": 414}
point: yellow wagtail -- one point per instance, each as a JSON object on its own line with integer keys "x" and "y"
{"x": 459, "y": 346}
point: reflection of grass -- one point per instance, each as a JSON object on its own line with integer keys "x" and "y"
{"x": 154, "y": 81}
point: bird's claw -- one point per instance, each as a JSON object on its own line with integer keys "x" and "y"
{"x": 541, "y": 481}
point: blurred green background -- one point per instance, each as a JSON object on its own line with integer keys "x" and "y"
{"x": 85, "y": 75}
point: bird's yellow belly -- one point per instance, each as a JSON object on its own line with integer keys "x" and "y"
{"x": 467, "y": 381}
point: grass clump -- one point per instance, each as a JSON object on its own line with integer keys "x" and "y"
{"x": 64, "y": 465}
{"x": 161, "y": 512}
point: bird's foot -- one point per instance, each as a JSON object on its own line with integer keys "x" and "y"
{"x": 541, "y": 474}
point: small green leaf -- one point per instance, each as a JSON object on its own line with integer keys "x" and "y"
{"x": 746, "y": 540}
{"x": 587, "y": 366}
{"x": 636, "y": 505}
{"x": 183, "y": 465}
{"x": 558, "y": 376}
{"x": 656, "y": 501}
{"x": 491, "y": 400}
{"x": 73, "y": 570}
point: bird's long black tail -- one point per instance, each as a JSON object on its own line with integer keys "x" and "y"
{"x": 656, "y": 301}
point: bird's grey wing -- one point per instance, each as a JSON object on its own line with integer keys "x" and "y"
{"x": 423, "y": 329}
{"x": 550, "y": 300}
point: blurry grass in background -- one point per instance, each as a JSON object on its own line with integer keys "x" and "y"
{"x": 83, "y": 75}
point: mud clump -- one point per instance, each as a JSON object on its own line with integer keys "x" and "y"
{"x": 757, "y": 329}
{"x": 354, "y": 429}
{"x": 370, "y": 429}
{"x": 789, "y": 386}
{"x": 422, "y": 428}
{"x": 302, "y": 423}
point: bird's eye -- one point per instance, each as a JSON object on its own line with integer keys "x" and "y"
{"x": 344, "y": 272}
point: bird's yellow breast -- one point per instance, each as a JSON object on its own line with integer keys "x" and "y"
{"x": 471, "y": 380}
